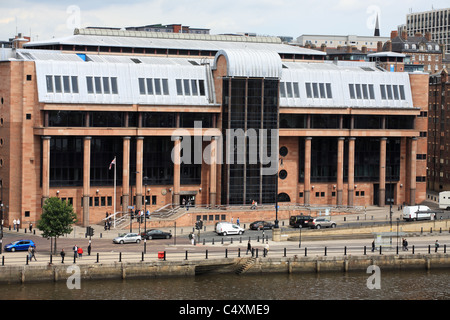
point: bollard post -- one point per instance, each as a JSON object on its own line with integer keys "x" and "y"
{"x": 380, "y": 249}
{"x": 429, "y": 249}
{"x": 3, "y": 260}
{"x": 284, "y": 252}
{"x": 120, "y": 256}
{"x": 213, "y": 241}
{"x": 325, "y": 251}
{"x": 226, "y": 253}
{"x": 231, "y": 240}
{"x": 186, "y": 255}
{"x": 257, "y": 252}
{"x": 413, "y": 250}
{"x": 206, "y": 254}
{"x": 142, "y": 257}
{"x": 222, "y": 240}
{"x": 365, "y": 250}
{"x": 239, "y": 252}
{"x": 445, "y": 248}
{"x": 396, "y": 250}
{"x": 27, "y": 260}
{"x": 204, "y": 241}
{"x": 345, "y": 250}
{"x": 240, "y": 239}
{"x": 51, "y": 258}
{"x": 306, "y": 252}
{"x": 164, "y": 255}
{"x": 98, "y": 257}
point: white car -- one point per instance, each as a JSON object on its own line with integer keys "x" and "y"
{"x": 226, "y": 228}
{"x": 127, "y": 238}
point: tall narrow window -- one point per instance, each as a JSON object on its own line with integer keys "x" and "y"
{"x": 308, "y": 90}
{"x": 201, "y": 85}
{"x": 114, "y": 88}
{"x": 329, "y": 94}
{"x": 149, "y": 86}
{"x": 289, "y": 89}
{"x": 74, "y": 84}
{"x": 106, "y": 85}
{"x": 351, "y": 90}
{"x": 282, "y": 90}
{"x": 296, "y": 90}
{"x": 158, "y": 87}
{"x": 371, "y": 92}
{"x": 66, "y": 84}
{"x": 315, "y": 90}
{"x": 187, "y": 90}
{"x": 165, "y": 85}
{"x": 98, "y": 85}
{"x": 90, "y": 85}
{"x": 194, "y": 87}
{"x": 49, "y": 80}
{"x": 383, "y": 91}
{"x": 402, "y": 92}
{"x": 179, "y": 87}
{"x": 142, "y": 86}
{"x": 58, "y": 88}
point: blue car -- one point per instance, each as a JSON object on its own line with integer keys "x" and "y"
{"x": 20, "y": 245}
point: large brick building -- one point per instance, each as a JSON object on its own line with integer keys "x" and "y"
{"x": 317, "y": 132}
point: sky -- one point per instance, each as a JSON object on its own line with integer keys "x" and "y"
{"x": 46, "y": 19}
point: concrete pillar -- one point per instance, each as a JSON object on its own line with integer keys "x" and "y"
{"x": 176, "y": 170}
{"x": 351, "y": 170}
{"x": 340, "y": 171}
{"x": 382, "y": 189}
{"x": 213, "y": 173}
{"x": 413, "y": 173}
{"x": 45, "y": 168}
{"x": 126, "y": 174}
{"x": 307, "y": 170}
{"x": 86, "y": 178}
{"x": 139, "y": 171}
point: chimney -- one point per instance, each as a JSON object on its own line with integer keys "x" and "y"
{"x": 404, "y": 34}
{"x": 418, "y": 34}
{"x": 428, "y": 36}
{"x": 388, "y": 45}
{"x": 349, "y": 49}
{"x": 323, "y": 47}
{"x": 379, "y": 46}
{"x": 364, "y": 49}
{"x": 394, "y": 34}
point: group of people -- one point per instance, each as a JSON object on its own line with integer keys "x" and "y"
{"x": 77, "y": 252}
{"x": 16, "y": 224}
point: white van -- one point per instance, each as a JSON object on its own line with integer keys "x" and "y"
{"x": 226, "y": 228}
{"x": 444, "y": 200}
{"x": 417, "y": 213}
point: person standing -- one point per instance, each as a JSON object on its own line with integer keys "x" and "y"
{"x": 75, "y": 251}
{"x": 33, "y": 253}
{"x": 80, "y": 252}
{"x": 89, "y": 248}
{"x": 62, "y": 254}
{"x": 436, "y": 246}
{"x": 14, "y": 224}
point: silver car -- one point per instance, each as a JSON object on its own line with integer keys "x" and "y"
{"x": 318, "y": 223}
{"x": 127, "y": 238}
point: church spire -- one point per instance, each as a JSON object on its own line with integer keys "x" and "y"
{"x": 377, "y": 28}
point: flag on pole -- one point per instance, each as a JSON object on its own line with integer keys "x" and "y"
{"x": 112, "y": 162}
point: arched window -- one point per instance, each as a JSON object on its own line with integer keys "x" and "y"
{"x": 283, "y": 197}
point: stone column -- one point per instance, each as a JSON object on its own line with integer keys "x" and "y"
{"x": 86, "y": 178}
{"x": 351, "y": 170}
{"x": 176, "y": 170}
{"x": 382, "y": 189}
{"x": 126, "y": 174}
{"x": 213, "y": 173}
{"x": 45, "y": 168}
{"x": 413, "y": 173}
{"x": 307, "y": 170}
{"x": 340, "y": 171}
{"x": 139, "y": 171}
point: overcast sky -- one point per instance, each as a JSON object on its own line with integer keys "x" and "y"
{"x": 45, "y": 19}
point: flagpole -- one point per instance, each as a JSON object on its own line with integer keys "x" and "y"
{"x": 114, "y": 192}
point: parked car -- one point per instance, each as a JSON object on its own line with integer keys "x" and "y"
{"x": 20, "y": 245}
{"x": 318, "y": 223}
{"x": 155, "y": 234}
{"x": 260, "y": 225}
{"x": 299, "y": 221}
{"x": 225, "y": 228}
{"x": 127, "y": 238}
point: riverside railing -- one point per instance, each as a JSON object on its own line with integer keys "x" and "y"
{"x": 200, "y": 253}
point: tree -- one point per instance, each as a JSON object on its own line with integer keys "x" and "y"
{"x": 56, "y": 219}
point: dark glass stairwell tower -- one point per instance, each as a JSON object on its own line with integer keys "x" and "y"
{"x": 250, "y": 106}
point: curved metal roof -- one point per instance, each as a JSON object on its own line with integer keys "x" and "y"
{"x": 251, "y": 63}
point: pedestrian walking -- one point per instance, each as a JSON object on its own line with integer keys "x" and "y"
{"x": 62, "y": 254}
{"x": 31, "y": 227}
{"x": 266, "y": 249}
{"x": 30, "y": 254}
{"x": 249, "y": 247}
{"x": 436, "y": 246}
{"x": 406, "y": 245}
{"x": 238, "y": 222}
{"x": 373, "y": 245}
{"x": 18, "y": 224}
{"x": 80, "y": 252}
{"x": 33, "y": 253}
{"x": 75, "y": 251}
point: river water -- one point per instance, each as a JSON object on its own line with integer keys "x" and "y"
{"x": 394, "y": 285}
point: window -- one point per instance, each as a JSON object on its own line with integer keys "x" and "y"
{"x": 188, "y": 87}
{"x": 179, "y": 87}
{"x": 383, "y": 91}
{"x": 352, "y": 91}
{"x": 49, "y": 81}
{"x": 90, "y": 85}
{"x": 142, "y": 86}
{"x": 66, "y": 84}
{"x": 114, "y": 88}
{"x": 308, "y": 90}
{"x": 74, "y": 84}
{"x": 58, "y": 84}
{"x": 296, "y": 90}
{"x": 98, "y": 85}
{"x": 106, "y": 85}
